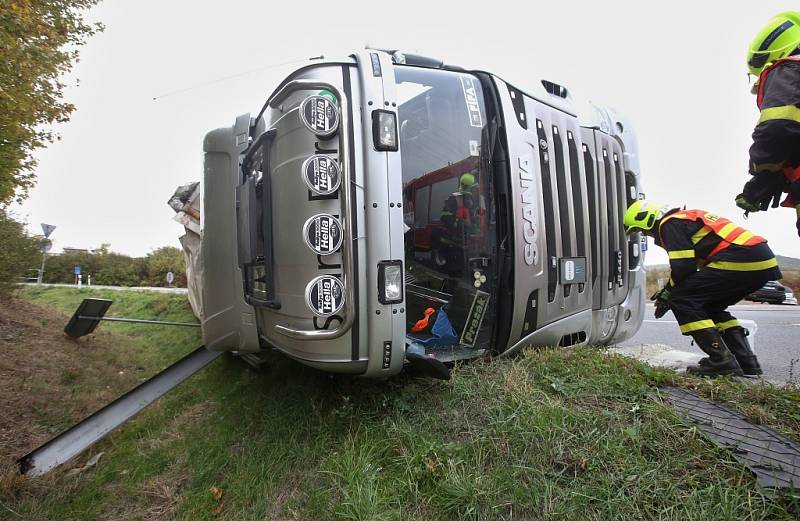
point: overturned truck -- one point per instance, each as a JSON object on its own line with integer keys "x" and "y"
{"x": 389, "y": 205}
{"x": 388, "y": 209}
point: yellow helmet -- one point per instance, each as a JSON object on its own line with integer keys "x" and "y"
{"x": 641, "y": 215}
{"x": 778, "y": 39}
{"x": 466, "y": 182}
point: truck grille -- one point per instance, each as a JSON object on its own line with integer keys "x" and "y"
{"x": 551, "y": 253}
{"x": 563, "y": 200}
{"x": 577, "y": 198}
{"x": 594, "y": 216}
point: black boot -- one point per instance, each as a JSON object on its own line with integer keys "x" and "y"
{"x": 720, "y": 360}
{"x": 736, "y": 340}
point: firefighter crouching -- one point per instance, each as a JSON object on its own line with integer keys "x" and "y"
{"x": 774, "y": 60}
{"x": 714, "y": 264}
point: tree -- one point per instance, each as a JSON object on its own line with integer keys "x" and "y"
{"x": 162, "y": 260}
{"x": 19, "y": 253}
{"x": 39, "y": 41}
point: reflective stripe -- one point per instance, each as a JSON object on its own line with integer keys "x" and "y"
{"x": 789, "y": 112}
{"x": 726, "y": 230}
{"x": 694, "y": 326}
{"x": 743, "y": 266}
{"x": 722, "y": 326}
{"x": 681, "y": 254}
{"x": 702, "y": 232}
{"x": 743, "y": 238}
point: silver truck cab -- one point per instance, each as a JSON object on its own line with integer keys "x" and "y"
{"x": 387, "y": 202}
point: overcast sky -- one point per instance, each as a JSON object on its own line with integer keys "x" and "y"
{"x": 676, "y": 69}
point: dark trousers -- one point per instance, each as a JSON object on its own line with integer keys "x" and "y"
{"x": 701, "y": 300}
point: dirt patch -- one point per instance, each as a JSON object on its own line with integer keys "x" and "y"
{"x": 283, "y": 503}
{"x": 49, "y": 381}
{"x": 157, "y": 499}
{"x": 191, "y": 415}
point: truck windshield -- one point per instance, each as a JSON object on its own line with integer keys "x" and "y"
{"x": 448, "y": 198}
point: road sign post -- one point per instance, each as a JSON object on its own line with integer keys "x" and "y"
{"x": 170, "y": 278}
{"x": 47, "y": 244}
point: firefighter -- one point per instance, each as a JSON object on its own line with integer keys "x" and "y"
{"x": 461, "y": 220}
{"x": 458, "y": 213}
{"x": 774, "y": 60}
{"x": 714, "y": 264}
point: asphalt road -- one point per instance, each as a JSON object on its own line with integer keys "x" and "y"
{"x": 776, "y": 341}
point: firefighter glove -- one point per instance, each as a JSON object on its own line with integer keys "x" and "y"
{"x": 661, "y": 308}
{"x": 661, "y": 299}
{"x": 746, "y": 205}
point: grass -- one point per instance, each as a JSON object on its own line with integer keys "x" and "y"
{"x": 561, "y": 434}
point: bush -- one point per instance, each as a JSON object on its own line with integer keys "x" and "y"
{"x": 115, "y": 269}
{"x": 654, "y": 273}
{"x": 791, "y": 279}
{"x": 19, "y": 252}
{"x": 159, "y": 262}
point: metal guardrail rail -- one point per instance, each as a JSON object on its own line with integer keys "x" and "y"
{"x": 84, "y": 434}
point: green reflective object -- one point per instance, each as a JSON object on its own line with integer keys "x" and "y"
{"x": 328, "y": 94}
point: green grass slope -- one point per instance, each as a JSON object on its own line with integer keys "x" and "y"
{"x": 553, "y": 434}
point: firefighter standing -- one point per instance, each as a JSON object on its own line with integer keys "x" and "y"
{"x": 459, "y": 213}
{"x": 714, "y": 264}
{"x": 774, "y": 60}
{"x": 461, "y": 220}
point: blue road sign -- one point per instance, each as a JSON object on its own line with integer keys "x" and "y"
{"x": 77, "y": 270}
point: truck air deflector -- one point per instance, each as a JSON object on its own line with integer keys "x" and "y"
{"x": 346, "y": 216}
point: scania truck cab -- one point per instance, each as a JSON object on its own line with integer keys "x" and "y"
{"x": 387, "y": 209}
{"x": 386, "y": 203}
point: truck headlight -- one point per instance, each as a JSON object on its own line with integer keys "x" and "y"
{"x": 390, "y": 282}
{"x": 384, "y": 130}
